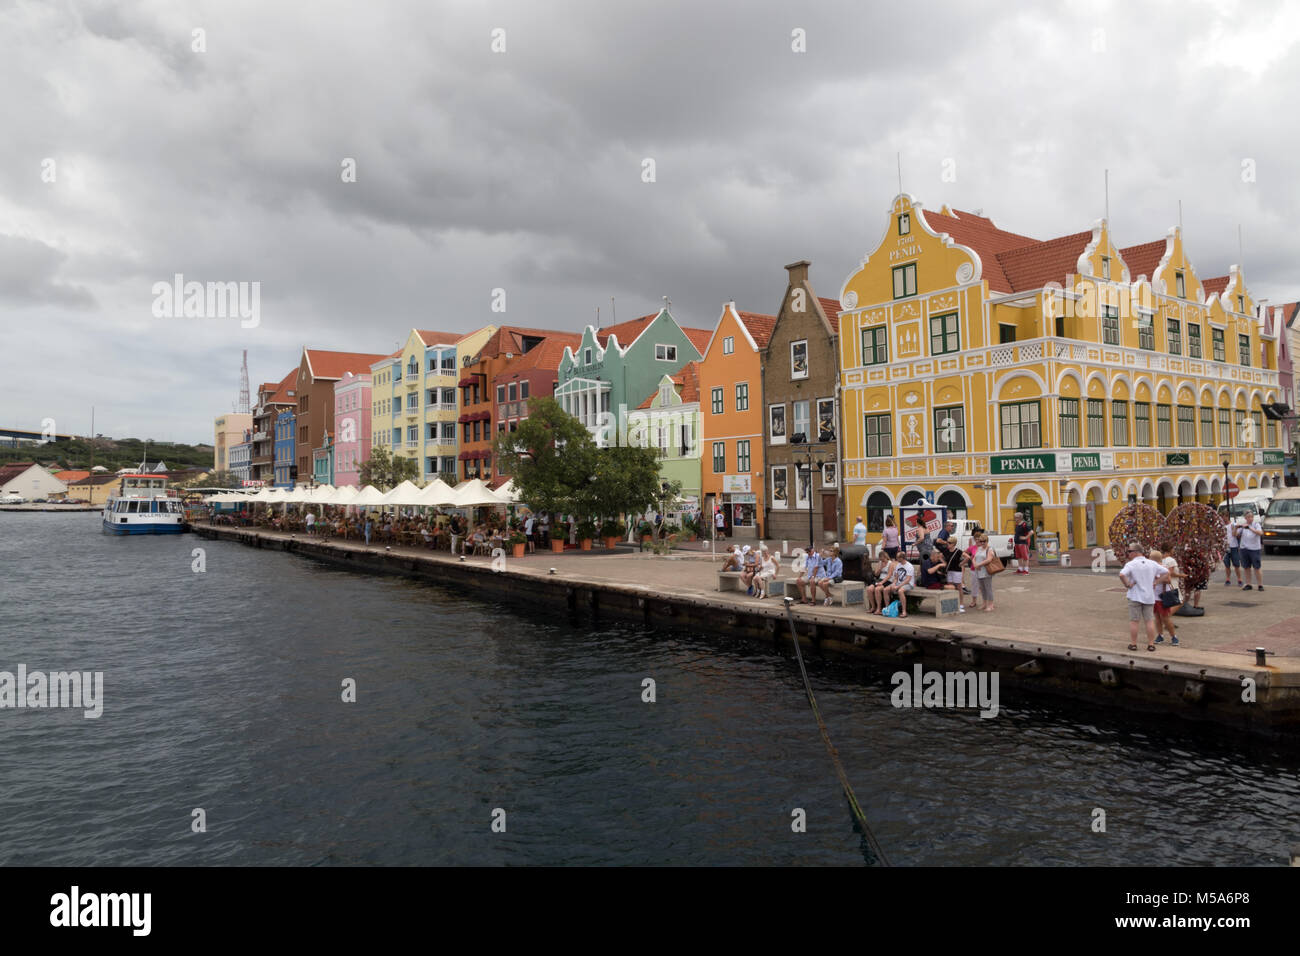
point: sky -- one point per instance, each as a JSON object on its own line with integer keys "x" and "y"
{"x": 370, "y": 167}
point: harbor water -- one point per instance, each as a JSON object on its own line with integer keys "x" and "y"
{"x": 224, "y": 677}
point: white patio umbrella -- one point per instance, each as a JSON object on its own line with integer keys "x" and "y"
{"x": 508, "y": 492}
{"x": 436, "y": 493}
{"x": 473, "y": 494}
{"x": 367, "y": 497}
{"x": 407, "y": 493}
{"x": 341, "y": 496}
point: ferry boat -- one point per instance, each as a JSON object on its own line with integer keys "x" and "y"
{"x": 143, "y": 504}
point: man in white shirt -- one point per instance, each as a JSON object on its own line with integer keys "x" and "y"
{"x": 1140, "y": 576}
{"x": 1250, "y": 541}
{"x": 860, "y": 533}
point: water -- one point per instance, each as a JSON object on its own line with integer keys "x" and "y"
{"x": 223, "y": 692}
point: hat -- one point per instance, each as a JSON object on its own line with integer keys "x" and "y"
{"x": 1135, "y": 546}
{"x": 745, "y": 550}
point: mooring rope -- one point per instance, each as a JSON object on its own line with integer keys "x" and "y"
{"x": 858, "y": 815}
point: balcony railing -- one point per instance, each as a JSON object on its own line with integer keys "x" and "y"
{"x": 445, "y": 442}
{"x": 412, "y": 445}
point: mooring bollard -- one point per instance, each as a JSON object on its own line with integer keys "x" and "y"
{"x": 1259, "y": 656}
{"x": 1295, "y": 854}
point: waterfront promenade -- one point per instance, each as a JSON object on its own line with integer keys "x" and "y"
{"x": 1075, "y": 611}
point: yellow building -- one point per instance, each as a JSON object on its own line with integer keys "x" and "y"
{"x": 997, "y": 373}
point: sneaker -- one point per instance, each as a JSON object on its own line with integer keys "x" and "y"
{"x": 1260, "y": 588}
{"x": 1174, "y": 642}
{"x": 1247, "y": 587}
{"x": 961, "y": 608}
{"x": 1160, "y": 639}
{"x": 750, "y": 592}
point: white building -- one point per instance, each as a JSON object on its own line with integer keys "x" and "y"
{"x": 29, "y": 480}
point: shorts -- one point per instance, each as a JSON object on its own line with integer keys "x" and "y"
{"x": 1022, "y": 552}
{"x": 1137, "y": 611}
{"x": 892, "y": 552}
{"x": 1162, "y": 611}
{"x": 1250, "y": 558}
{"x": 986, "y": 588}
{"x": 954, "y": 577}
{"x": 1233, "y": 558}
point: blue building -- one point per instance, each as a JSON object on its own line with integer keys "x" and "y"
{"x": 323, "y": 462}
{"x": 285, "y": 444}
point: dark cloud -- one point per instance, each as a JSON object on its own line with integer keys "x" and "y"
{"x": 522, "y": 170}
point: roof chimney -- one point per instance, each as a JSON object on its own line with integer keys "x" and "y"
{"x": 798, "y": 271}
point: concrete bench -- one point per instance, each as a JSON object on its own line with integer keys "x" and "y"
{"x": 939, "y": 603}
{"x": 729, "y": 581}
{"x": 844, "y": 593}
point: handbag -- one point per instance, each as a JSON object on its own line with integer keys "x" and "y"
{"x": 891, "y": 610}
{"x": 994, "y": 565}
{"x": 1171, "y": 598}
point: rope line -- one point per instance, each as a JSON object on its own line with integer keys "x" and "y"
{"x": 854, "y": 807}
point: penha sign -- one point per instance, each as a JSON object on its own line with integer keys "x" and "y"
{"x": 1052, "y": 463}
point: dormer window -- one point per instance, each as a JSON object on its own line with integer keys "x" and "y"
{"x": 586, "y": 356}
{"x": 905, "y": 224}
{"x": 1180, "y": 285}
{"x": 1105, "y": 267}
{"x": 666, "y": 353}
{"x": 665, "y": 393}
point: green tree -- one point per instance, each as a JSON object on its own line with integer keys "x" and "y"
{"x": 386, "y": 471}
{"x": 626, "y": 480}
{"x": 551, "y": 458}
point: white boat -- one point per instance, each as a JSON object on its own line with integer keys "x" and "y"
{"x": 143, "y": 504}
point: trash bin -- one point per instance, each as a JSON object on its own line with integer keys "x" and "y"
{"x": 1048, "y": 546}
{"x": 857, "y": 560}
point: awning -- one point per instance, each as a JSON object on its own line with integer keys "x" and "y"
{"x": 464, "y": 419}
{"x": 467, "y": 380}
{"x": 465, "y": 455}
{"x": 483, "y": 416}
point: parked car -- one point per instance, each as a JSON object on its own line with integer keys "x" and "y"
{"x": 1257, "y": 499}
{"x": 12, "y": 499}
{"x": 1282, "y": 523}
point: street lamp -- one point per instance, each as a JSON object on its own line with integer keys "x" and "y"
{"x": 805, "y": 448}
{"x": 1226, "y": 498}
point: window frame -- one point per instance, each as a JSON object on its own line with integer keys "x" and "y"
{"x": 719, "y": 457}
{"x": 958, "y": 445}
{"x": 945, "y": 335}
{"x": 728, "y": 344}
{"x": 1164, "y": 426}
{"x": 1067, "y": 421}
{"x": 1020, "y": 425}
{"x": 1174, "y": 335}
{"x": 904, "y": 273}
{"x": 1243, "y": 350}
{"x": 1186, "y": 426}
{"x": 716, "y": 406}
{"x": 795, "y": 373}
{"x": 879, "y": 348}
{"x": 1194, "y": 340}
{"x": 1110, "y": 325}
{"x": 665, "y": 352}
{"x": 904, "y": 223}
{"x": 742, "y": 396}
{"x": 874, "y": 437}
{"x": 1219, "y": 344}
{"x": 1099, "y": 419}
{"x": 1141, "y": 423}
{"x": 744, "y": 462}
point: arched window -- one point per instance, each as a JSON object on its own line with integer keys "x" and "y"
{"x": 955, "y": 504}
{"x": 878, "y": 505}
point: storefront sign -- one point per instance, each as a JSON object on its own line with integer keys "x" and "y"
{"x": 743, "y": 499}
{"x": 732, "y": 484}
{"x": 1178, "y": 458}
{"x": 1272, "y": 458}
{"x": 1062, "y": 462}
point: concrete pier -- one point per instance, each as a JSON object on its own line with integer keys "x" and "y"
{"x": 1059, "y": 633}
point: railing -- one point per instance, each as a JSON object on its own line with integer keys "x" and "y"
{"x": 446, "y": 406}
{"x": 411, "y": 445}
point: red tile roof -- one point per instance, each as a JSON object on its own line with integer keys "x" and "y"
{"x": 699, "y": 338}
{"x": 509, "y": 338}
{"x": 627, "y": 332}
{"x": 1215, "y": 285}
{"x": 439, "y": 338}
{"x": 832, "y": 310}
{"x": 980, "y": 234}
{"x": 547, "y": 355}
{"x": 689, "y": 380}
{"x": 1033, "y": 266}
{"x": 332, "y": 365}
{"x": 1289, "y": 312}
{"x": 1143, "y": 259}
{"x": 760, "y": 326}
{"x": 68, "y": 477}
{"x": 281, "y": 395}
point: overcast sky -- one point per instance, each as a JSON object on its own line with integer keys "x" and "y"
{"x": 522, "y": 169}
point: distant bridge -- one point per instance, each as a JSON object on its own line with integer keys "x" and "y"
{"x": 13, "y": 437}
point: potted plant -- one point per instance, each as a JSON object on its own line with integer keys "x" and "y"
{"x": 558, "y": 533}
{"x": 517, "y": 543}
{"x": 586, "y": 531}
{"x": 644, "y": 530}
{"x": 611, "y": 531}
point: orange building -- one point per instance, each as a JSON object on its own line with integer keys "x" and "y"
{"x": 731, "y": 407}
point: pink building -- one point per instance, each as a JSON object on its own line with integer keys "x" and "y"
{"x": 351, "y": 428}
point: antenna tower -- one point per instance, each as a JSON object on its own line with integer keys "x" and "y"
{"x": 244, "y": 407}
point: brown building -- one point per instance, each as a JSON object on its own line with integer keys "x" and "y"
{"x": 801, "y": 416}
{"x": 531, "y": 375}
{"x": 477, "y": 374}
{"x": 318, "y": 370}
{"x": 94, "y": 488}
{"x": 271, "y": 401}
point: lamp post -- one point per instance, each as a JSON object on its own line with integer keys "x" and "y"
{"x": 801, "y": 446}
{"x": 1228, "y": 500}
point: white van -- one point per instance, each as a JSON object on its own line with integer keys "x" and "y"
{"x": 1282, "y": 523}
{"x": 13, "y": 498}
{"x": 1257, "y": 499}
